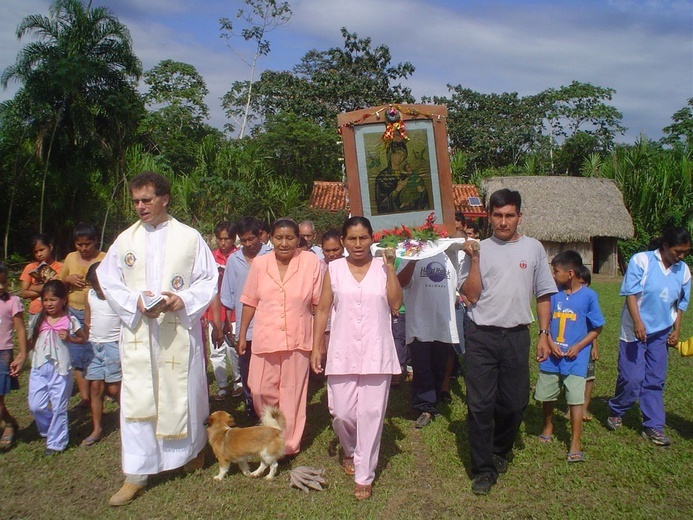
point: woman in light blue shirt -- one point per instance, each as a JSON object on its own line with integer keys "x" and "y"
{"x": 657, "y": 287}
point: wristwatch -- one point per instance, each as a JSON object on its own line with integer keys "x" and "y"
{"x": 544, "y": 331}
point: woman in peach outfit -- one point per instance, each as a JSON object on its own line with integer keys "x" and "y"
{"x": 281, "y": 292}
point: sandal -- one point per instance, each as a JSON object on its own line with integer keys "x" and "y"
{"x": 545, "y": 438}
{"x": 363, "y": 491}
{"x": 348, "y": 465}
{"x": 586, "y": 418}
{"x": 221, "y": 395}
{"x": 575, "y": 456}
{"x": 90, "y": 441}
{"x": 8, "y": 438}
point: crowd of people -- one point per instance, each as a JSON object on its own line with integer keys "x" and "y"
{"x": 139, "y": 323}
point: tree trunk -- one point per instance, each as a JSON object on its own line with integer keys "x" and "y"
{"x": 45, "y": 173}
{"x": 250, "y": 90}
{"x": 15, "y": 181}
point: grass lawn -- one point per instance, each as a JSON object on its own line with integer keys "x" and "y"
{"x": 421, "y": 474}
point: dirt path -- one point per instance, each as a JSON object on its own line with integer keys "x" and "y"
{"x": 419, "y": 495}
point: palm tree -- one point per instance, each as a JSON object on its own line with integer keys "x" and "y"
{"x": 81, "y": 59}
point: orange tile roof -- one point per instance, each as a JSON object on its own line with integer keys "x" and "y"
{"x": 461, "y": 194}
{"x": 333, "y": 196}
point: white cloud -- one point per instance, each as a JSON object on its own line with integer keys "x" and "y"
{"x": 13, "y": 13}
{"x": 640, "y": 48}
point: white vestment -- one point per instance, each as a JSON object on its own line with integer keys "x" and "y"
{"x": 142, "y": 452}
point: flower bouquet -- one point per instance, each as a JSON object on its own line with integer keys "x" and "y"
{"x": 416, "y": 243}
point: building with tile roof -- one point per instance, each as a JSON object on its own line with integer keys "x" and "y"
{"x": 334, "y": 196}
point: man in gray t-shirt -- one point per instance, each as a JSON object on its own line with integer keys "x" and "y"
{"x": 499, "y": 281}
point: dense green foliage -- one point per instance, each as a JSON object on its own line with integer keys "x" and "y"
{"x": 657, "y": 188}
{"x": 77, "y": 130}
{"x": 78, "y": 106}
{"x": 175, "y": 123}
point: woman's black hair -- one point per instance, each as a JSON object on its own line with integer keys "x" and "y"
{"x": 84, "y": 230}
{"x": 676, "y": 236}
{"x": 355, "y": 221}
{"x": 672, "y": 236}
{"x": 284, "y": 223}
{"x": 44, "y": 238}
{"x": 331, "y": 234}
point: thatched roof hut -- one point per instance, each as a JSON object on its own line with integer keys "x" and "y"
{"x": 585, "y": 214}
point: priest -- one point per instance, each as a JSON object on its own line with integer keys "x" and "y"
{"x": 159, "y": 276}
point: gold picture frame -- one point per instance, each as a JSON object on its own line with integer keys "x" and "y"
{"x": 398, "y": 172}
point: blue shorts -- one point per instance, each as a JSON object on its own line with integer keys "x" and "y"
{"x": 7, "y": 382}
{"x": 105, "y": 363}
{"x": 80, "y": 355}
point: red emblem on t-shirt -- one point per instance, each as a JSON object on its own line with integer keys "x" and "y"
{"x": 523, "y": 265}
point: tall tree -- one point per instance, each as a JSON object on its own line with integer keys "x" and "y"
{"x": 493, "y": 130}
{"x": 258, "y": 18}
{"x": 583, "y": 107}
{"x": 681, "y": 130}
{"x": 326, "y": 83}
{"x": 175, "y": 126}
{"x": 16, "y": 162}
{"x": 77, "y": 70}
{"x": 177, "y": 83}
{"x": 300, "y": 150}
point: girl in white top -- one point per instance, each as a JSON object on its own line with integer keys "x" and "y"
{"x": 103, "y": 372}
{"x": 50, "y": 379}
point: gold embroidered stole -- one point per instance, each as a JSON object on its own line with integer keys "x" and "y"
{"x": 158, "y": 390}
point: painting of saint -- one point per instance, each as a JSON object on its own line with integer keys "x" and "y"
{"x": 404, "y": 184}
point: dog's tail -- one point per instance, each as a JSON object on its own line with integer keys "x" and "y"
{"x": 273, "y": 417}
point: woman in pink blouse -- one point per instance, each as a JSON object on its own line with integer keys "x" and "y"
{"x": 280, "y": 293}
{"x": 362, "y": 357}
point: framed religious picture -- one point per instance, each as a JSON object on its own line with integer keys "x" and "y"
{"x": 397, "y": 164}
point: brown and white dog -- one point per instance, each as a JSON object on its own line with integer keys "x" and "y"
{"x": 239, "y": 445}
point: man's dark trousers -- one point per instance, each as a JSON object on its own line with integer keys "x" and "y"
{"x": 497, "y": 380}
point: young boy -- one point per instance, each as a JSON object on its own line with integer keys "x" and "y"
{"x": 219, "y": 328}
{"x": 104, "y": 373}
{"x": 585, "y": 278}
{"x": 576, "y": 321}
{"x": 73, "y": 276}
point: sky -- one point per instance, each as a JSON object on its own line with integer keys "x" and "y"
{"x": 641, "y": 48}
